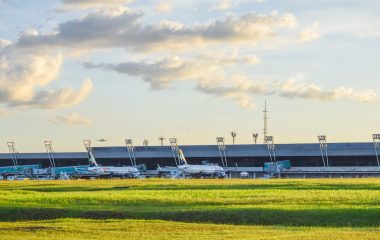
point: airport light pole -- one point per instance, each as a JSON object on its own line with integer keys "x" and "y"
{"x": 233, "y": 135}
{"x": 87, "y": 145}
{"x": 376, "y": 145}
{"x": 131, "y": 151}
{"x": 323, "y": 147}
{"x": 255, "y": 136}
{"x": 175, "y": 150}
{"x": 222, "y": 150}
{"x": 13, "y": 152}
{"x": 50, "y": 152}
{"x": 161, "y": 139}
{"x": 269, "y": 140}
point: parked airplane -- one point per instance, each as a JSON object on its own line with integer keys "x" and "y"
{"x": 98, "y": 170}
{"x": 199, "y": 170}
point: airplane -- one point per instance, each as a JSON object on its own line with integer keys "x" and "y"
{"x": 199, "y": 170}
{"x": 101, "y": 140}
{"x": 97, "y": 170}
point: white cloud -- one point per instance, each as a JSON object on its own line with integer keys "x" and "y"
{"x": 210, "y": 77}
{"x": 30, "y": 67}
{"x": 237, "y": 88}
{"x": 61, "y": 98}
{"x": 222, "y": 5}
{"x": 86, "y": 4}
{"x": 25, "y": 75}
{"x": 123, "y": 28}
{"x": 164, "y": 7}
{"x": 296, "y": 88}
{"x": 4, "y": 43}
{"x": 22, "y": 72}
{"x": 163, "y": 72}
{"x": 309, "y": 34}
{"x": 70, "y": 119}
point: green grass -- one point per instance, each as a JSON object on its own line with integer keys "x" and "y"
{"x": 191, "y": 209}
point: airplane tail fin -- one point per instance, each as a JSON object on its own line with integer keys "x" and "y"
{"x": 182, "y": 159}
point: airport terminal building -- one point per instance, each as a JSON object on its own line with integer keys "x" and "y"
{"x": 245, "y": 156}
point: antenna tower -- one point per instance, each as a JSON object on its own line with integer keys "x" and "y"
{"x": 265, "y": 130}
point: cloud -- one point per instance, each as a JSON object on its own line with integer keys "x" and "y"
{"x": 3, "y": 112}
{"x": 237, "y": 88}
{"x": 61, "y": 98}
{"x": 163, "y": 72}
{"x": 70, "y": 119}
{"x": 243, "y": 89}
{"x": 296, "y": 88}
{"x": 309, "y": 34}
{"x": 25, "y": 75}
{"x": 164, "y": 7}
{"x": 4, "y": 43}
{"x": 122, "y": 27}
{"x": 222, "y": 5}
{"x": 31, "y": 64}
{"x": 210, "y": 76}
{"x": 85, "y": 4}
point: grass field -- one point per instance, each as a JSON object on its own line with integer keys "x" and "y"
{"x": 191, "y": 209}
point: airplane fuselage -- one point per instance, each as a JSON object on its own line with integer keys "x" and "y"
{"x": 202, "y": 170}
{"x": 115, "y": 171}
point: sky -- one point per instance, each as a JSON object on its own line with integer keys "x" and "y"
{"x": 191, "y": 69}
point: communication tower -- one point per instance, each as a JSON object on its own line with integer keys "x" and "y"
{"x": 265, "y": 129}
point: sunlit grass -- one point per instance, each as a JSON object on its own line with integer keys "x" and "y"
{"x": 325, "y": 208}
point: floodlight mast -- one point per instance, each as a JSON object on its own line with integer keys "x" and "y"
{"x": 222, "y": 150}
{"x": 271, "y": 148}
{"x": 13, "y": 152}
{"x": 131, "y": 151}
{"x": 87, "y": 145}
{"x": 376, "y": 146}
{"x": 50, "y": 151}
{"x": 175, "y": 150}
{"x": 323, "y": 147}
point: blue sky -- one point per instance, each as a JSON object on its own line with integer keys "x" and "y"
{"x": 71, "y": 70}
